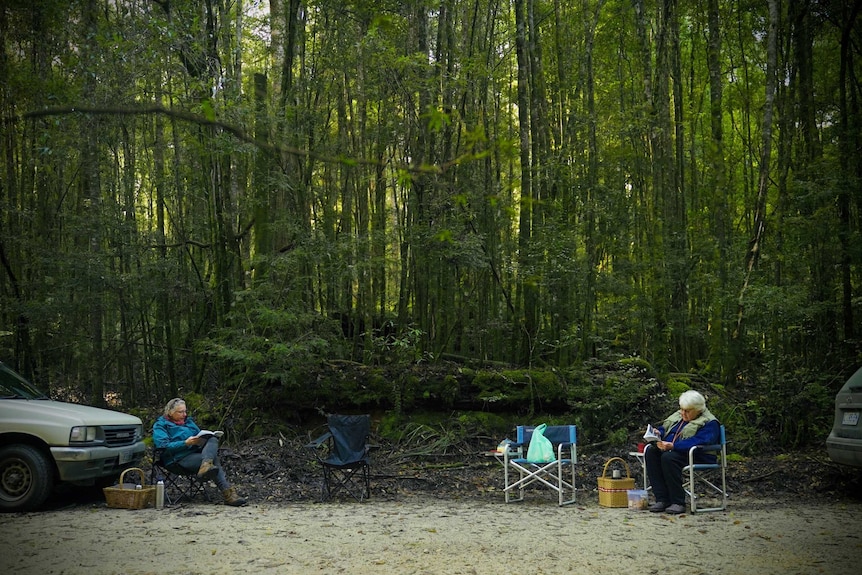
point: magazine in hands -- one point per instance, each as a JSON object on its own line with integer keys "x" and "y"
{"x": 207, "y": 432}
{"x": 651, "y": 434}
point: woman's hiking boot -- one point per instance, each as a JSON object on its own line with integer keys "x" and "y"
{"x": 232, "y": 498}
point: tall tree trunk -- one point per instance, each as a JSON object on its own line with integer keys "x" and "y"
{"x": 164, "y": 312}
{"x": 678, "y": 223}
{"x": 419, "y": 210}
{"x": 646, "y": 212}
{"x": 10, "y": 192}
{"x": 717, "y": 183}
{"x": 527, "y": 291}
{"x": 91, "y": 189}
{"x": 262, "y": 210}
{"x": 664, "y": 189}
{"x": 128, "y": 356}
{"x": 756, "y": 244}
{"x": 587, "y": 301}
{"x": 851, "y": 166}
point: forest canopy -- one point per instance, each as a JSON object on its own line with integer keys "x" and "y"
{"x": 212, "y": 196}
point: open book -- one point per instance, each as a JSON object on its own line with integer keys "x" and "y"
{"x": 207, "y": 432}
{"x": 651, "y": 434}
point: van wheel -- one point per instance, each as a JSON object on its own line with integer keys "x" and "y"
{"x": 26, "y": 478}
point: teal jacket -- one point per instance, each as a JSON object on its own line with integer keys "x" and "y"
{"x": 171, "y": 437}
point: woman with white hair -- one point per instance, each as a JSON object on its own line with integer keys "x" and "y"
{"x": 692, "y": 425}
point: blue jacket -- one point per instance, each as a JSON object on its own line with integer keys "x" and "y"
{"x": 708, "y": 433}
{"x": 171, "y": 437}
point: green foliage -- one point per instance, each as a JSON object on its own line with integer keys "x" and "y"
{"x": 619, "y": 437}
{"x": 611, "y": 398}
{"x": 429, "y": 434}
{"x": 422, "y": 432}
{"x": 334, "y": 387}
{"x": 677, "y": 385}
{"x": 172, "y": 237}
{"x": 396, "y": 347}
{"x": 798, "y": 407}
{"x": 636, "y": 363}
{"x": 743, "y": 421}
{"x": 272, "y": 341}
{"x": 444, "y": 391}
{"x": 520, "y": 388}
{"x": 483, "y": 423}
{"x": 404, "y": 392}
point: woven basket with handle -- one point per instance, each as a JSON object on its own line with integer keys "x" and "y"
{"x": 127, "y": 496}
{"x": 614, "y": 492}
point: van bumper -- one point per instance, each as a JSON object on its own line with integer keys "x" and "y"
{"x": 844, "y": 451}
{"x": 86, "y": 463}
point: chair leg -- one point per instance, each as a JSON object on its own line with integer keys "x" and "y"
{"x": 366, "y": 473}
{"x": 553, "y": 475}
{"x": 356, "y": 481}
{"x": 713, "y": 489}
{"x": 180, "y": 487}
{"x": 327, "y": 480}
{"x": 692, "y": 486}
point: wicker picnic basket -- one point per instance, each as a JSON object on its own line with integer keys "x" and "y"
{"x": 127, "y": 496}
{"x": 614, "y": 492}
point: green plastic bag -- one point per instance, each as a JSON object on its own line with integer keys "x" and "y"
{"x": 540, "y": 450}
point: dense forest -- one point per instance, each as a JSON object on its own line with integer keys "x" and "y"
{"x": 242, "y": 200}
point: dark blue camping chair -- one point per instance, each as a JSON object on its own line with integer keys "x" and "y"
{"x": 557, "y": 475}
{"x": 694, "y": 471}
{"x": 343, "y": 454}
{"x": 696, "y": 476}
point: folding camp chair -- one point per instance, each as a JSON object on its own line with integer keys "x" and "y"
{"x": 180, "y": 484}
{"x": 558, "y": 475}
{"x": 343, "y": 454}
{"x": 712, "y": 486}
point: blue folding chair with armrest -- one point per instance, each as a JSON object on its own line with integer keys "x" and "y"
{"x": 700, "y": 471}
{"x": 558, "y": 475}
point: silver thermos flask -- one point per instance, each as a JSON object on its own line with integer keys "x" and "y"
{"x": 160, "y": 494}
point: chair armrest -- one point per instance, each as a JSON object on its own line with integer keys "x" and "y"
{"x": 565, "y": 446}
{"x": 510, "y": 453}
{"x": 716, "y": 447}
{"x": 514, "y": 449}
{"x": 316, "y": 443}
{"x": 693, "y": 448}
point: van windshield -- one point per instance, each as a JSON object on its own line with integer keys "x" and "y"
{"x": 13, "y": 386}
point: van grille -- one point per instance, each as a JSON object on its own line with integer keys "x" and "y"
{"x": 120, "y": 435}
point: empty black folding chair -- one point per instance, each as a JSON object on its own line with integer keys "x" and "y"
{"x": 343, "y": 454}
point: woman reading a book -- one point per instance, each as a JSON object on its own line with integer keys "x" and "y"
{"x": 186, "y": 446}
{"x": 667, "y": 452}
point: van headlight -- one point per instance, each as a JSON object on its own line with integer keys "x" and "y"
{"x": 84, "y": 434}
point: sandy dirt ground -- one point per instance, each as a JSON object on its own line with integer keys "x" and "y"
{"x": 426, "y": 535}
